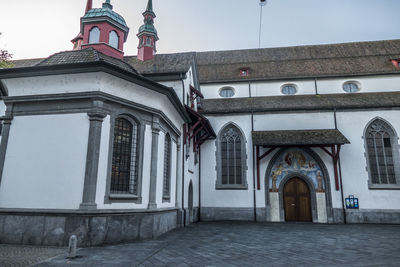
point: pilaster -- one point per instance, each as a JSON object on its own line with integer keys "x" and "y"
{"x": 155, "y": 130}
{"x": 96, "y": 117}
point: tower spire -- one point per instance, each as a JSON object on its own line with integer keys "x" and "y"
{"x": 147, "y": 35}
{"x": 149, "y": 6}
{"x": 89, "y": 5}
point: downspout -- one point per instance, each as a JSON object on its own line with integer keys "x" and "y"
{"x": 340, "y": 178}
{"x": 199, "y": 183}
{"x": 316, "y": 86}
{"x": 254, "y": 166}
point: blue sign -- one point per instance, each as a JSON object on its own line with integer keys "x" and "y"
{"x": 352, "y": 202}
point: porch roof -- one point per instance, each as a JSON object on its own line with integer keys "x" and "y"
{"x": 323, "y": 137}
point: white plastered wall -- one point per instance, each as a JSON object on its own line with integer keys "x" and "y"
{"x": 354, "y": 162}
{"x": 368, "y": 84}
{"x": 92, "y": 82}
{"x": 226, "y": 198}
{"x": 45, "y": 162}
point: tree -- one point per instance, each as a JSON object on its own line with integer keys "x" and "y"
{"x": 5, "y": 58}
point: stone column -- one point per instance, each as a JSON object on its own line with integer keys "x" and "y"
{"x": 96, "y": 117}
{"x": 4, "y": 137}
{"x": 154, "y": 161}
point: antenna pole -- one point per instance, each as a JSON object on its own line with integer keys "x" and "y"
{"x": 262, "y": 4}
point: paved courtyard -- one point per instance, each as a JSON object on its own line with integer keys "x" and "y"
{"x": 245, "y": 244}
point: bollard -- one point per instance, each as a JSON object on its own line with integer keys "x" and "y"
{"x": 72, "y": 247}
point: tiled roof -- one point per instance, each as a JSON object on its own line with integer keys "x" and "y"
{"x": 301, "y": 102}
{"x": 163, "y": 63}
{"x": 299, "y": 138}
{"x": 84, "y": 56}
{"x": 299, "y": 62}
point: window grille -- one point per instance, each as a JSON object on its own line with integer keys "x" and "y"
{"x": 231, "y": 157}
{"x": 379, "y": 138}
{"x": 124, "y": 178}
{"x": 167, "y": 166}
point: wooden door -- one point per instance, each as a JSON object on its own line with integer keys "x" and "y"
{"x": 297, "y": 201}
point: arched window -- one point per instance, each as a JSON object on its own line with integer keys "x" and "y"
{"x": 167, "y": 168}
{"x": 94, "y": 35}
{"x": 124, "y": 173}
{"x": 351, "y": 87}
{"x": 113, "y": 39}
{"x": 382, "y": 152}
{"x": 231, "y": 163}
{"x": 289, "y": 89}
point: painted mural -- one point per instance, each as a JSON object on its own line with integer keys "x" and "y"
{"x": 296, "y": 161}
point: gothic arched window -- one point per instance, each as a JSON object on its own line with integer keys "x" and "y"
{"x": 113, "y": 39}
{"x": 382, "y": 152}
{"x": 124, "y": 173}
{"x": 167, "y": 168}
{"x": 231, "y": 162}
{"x": 94, "y": 35}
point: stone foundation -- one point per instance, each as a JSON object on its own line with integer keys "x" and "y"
{"x": 91, "y": 229}
{"x": 373, "y": 216}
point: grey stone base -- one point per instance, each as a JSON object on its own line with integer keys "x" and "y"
{"x": 227, "y": 214}
{"x": 30, "y": 228}
{"x": 373, "y": 216}
{"x": 338, "y": 215}
{"x": 188, "y": 216}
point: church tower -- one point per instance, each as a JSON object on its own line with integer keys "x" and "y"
{"x": 102, "y": 29}
{"x": 147, "y": 35}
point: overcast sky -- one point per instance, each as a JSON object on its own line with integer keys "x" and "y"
{"x": 39, "y": 28}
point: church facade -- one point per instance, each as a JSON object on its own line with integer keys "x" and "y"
{"x": 114, "y": 148}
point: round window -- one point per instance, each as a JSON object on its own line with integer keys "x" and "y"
{"x": 351, "y": 87}
{"x": 289, "y": 89}
{"x": 226, "y": 92}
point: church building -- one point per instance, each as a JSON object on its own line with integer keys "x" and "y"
{"x": 115, "y": 148}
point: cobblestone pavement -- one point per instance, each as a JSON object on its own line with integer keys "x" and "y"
{"x": 26, "y": 255}
{"x": 251, "y": 244}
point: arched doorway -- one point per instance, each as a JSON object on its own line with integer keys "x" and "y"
{"x": 297, "y": 201}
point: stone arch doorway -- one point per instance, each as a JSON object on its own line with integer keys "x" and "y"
{"x": 297, "y": 201}
{"x": 306, "y": 165}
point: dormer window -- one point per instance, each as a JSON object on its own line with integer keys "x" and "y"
{"x": 244, "y": 72}
{"x": 114, "y": 39}
{"x": 94, "y": 35}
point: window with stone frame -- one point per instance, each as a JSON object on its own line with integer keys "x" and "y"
{"x": 383, "y": 155}
{"x": 124, "y": 173}
{"x": 231, "y": 162}
{"x": 167, "y": 168}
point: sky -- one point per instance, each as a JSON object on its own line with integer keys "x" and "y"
{"x": 39, "y": 28}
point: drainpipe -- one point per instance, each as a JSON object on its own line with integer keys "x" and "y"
{"x": 254, "y": 167}
{"x": 316, "y": 86}
{"x": 340, "y": 176}
{"x": 199, "y": 183}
